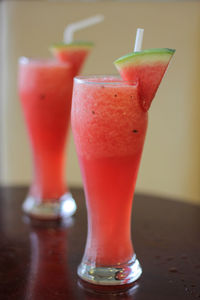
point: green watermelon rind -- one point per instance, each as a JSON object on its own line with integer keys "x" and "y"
{"x": 148, "y": 55}
{"x": 73, "y": 45}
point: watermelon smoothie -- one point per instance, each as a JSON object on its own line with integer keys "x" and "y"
{"x": 45, "y": 88}
{"x": 109, "y": 128}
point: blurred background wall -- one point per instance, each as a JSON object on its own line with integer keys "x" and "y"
{"x": 171, "y": 158}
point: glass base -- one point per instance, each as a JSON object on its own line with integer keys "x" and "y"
{"x": 113, "y": 275}
{"x": 64, "y": 207}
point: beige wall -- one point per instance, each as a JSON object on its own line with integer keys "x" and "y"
{"x": 171, "y": 163}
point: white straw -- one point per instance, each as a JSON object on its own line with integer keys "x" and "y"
{"x": 71, "y": 28}
{"x": 139, "y": 39}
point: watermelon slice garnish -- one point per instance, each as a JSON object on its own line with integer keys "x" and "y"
{"x": 147, "y": 67}
{"x": 75, "y": 53}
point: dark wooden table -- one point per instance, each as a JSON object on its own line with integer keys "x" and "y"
{"x": 38, "y": 261}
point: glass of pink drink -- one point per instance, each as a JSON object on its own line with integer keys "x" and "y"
{"x": 109, "y": 128}
{"x": 45, "y": 89}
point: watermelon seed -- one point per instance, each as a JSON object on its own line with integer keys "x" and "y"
{"x": 135, "y": 130}
{"x": 93, "y": 112}
{"x": 102, "y": 86}
{"x": 42, "y": 96}
{"x": 115, "y": 95}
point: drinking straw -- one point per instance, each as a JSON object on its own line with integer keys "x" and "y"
{"x": 138, "y": 39}
{"x": 69, "y": 31}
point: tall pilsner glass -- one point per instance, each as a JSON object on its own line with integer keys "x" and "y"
{"x": 109, "y": 128}
{"x": 45, "y": 89}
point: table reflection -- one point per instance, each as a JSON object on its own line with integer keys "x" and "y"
{"x": 49, "y": 276}
{"x": 94, "y": 292}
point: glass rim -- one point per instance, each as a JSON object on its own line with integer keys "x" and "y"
{"x": 90, "y": 79}
{"x": 48, "y": 61}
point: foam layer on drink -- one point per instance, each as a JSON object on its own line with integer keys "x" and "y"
{"x": 107, "y": 117}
